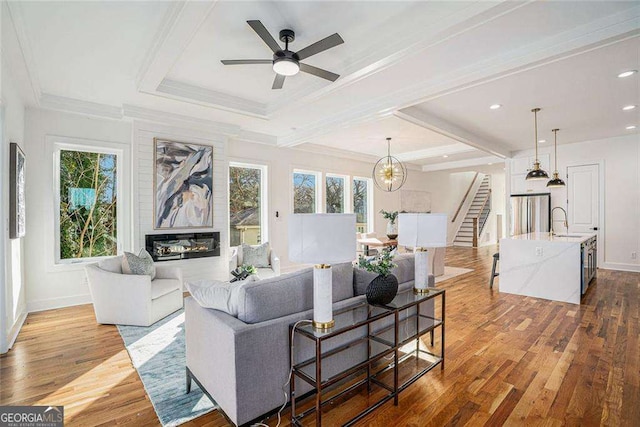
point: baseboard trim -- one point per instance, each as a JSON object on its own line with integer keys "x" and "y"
{"x": 61, "y": 302}
{"x": 15, "y": 329}
{"x": 620, "y": 267}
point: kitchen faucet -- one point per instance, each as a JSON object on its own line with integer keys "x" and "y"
{"x": 566, "y": 222}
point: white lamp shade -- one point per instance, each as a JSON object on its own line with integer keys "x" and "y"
{"x": 322, "y": 238}
{"x": 422, "y": 230}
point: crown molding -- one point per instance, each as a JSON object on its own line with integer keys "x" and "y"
{"x": 55, "y": 102}
{"x": 461, "y": 164}
{"x": 596, "y": 34}
{"x": 207, "y": 97}
{"x": 438, "y": 151}
{"x": 180, "y": 24}
{"x": 16, "y": 18}
{"x": 256, "y": 137}
{"x": 179, "y": 120}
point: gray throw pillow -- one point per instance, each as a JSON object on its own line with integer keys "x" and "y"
{"x": 361, "y": 279}
{"x": 258, "y": 256}
{"x": 222, "y": 296}
{"x": 141, "y": 264}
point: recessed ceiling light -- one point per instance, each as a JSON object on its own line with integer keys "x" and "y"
{"x": 542, "y": 141}
{"x": 489, "y": 164}
{"x": 445, "y": 156}
{"x": 630, "y": 127}
{"x": 627, "y": 74}
{"x": 628, "y": 107}
{"x": 495, "y": 106}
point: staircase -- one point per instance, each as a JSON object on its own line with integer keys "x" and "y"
{"x": 476, "y": 217}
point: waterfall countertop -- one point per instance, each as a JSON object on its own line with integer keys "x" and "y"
{"x": 558, "y": 238}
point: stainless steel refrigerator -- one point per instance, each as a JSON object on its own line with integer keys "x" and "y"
{"x": 530, "y": 213}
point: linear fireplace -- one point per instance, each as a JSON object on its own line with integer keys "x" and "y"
{"x": 168, "y": 247}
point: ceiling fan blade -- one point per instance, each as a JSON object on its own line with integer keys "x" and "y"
{"x": 246, "y": 61}
{"x": 319, "y": 72}
{"x": 320, "y": 46}
{"x": 265, "y": 35}
{"x": 278, "y": 81}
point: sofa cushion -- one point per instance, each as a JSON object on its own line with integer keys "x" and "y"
{"x": 258, "y": 255}
{"x": 222, "y": 296}
{"x": 361, "y": 279}
{"x": 290, "y": 293}
{"x": 161, "y": 287}
{"x": 112, "y": 265}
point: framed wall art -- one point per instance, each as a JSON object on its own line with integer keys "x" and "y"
{"x": 17, "y": 205}
{"x": 183, "y": 184}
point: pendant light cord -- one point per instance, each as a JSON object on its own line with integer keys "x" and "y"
{"x": 535, "y": 121}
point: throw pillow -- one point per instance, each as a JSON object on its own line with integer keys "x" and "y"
{"x": 361, "y": 279}
{"x": 258, "y": 256}
{"x": 140, "y": 264}
{"x": 222, "y": 296}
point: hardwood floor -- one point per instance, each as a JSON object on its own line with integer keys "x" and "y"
{"x": 510, "y": 360}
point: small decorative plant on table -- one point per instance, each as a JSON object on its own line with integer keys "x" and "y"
{"x": 242, "y": 272}
{"x": 384, "y": 287}
{"x": 392, "y": 226}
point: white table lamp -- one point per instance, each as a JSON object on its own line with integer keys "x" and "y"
{"x": 322, "y": 239}
{"x": 420, "y": 231}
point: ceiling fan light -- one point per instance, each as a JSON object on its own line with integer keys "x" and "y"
{"x": 286, "y": 66}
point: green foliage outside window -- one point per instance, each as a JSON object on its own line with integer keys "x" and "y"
{"x": 335, "y": 194}
{"x": 88, "y": 204}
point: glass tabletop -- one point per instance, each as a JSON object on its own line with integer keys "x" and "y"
{"x": 408, "y": 298}
{"x": 345, "y": 319}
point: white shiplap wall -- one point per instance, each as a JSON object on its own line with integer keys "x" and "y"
{"x": 143, "y": 194}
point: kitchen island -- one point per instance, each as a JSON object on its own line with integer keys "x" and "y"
{"x": 557, "y": 268}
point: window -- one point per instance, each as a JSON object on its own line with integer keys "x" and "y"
{"x": 336, "y": 201}
{"x": 87, "y": 194}
{"x": 305, "y": 192}
{"x": 247, "y": 207}
{"x": 363, "y": 204}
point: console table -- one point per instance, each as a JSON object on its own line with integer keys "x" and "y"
{"x": 388, "y": 329}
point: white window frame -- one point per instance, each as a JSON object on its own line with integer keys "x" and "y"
{"x": 318, "y": 189}
{"x": 370, "y": 215}
{"x": 123, "y": 211}
{"x": 264, "y": 198}
{"x": 346, "y": 191}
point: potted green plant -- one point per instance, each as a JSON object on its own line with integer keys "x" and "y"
{"x": 392, "y": 226}
{"x": 384, "y": 287}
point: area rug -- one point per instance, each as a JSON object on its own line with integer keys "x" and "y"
{"x": 451, "y": 272}
{"x": 158, "y": 354}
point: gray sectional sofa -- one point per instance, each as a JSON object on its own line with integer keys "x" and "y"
{"x": 243, "y": 363}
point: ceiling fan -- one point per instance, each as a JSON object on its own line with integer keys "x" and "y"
{"x": 285, "y": 62}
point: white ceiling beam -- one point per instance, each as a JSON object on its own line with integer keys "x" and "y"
{"x": 180, "y": 24}
{"x": 436, "y": 124}
{"x": 438, "y": 151}
{"x": 461, "y": 164}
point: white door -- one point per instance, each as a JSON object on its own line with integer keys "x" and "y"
{"x": 583, "y": 198}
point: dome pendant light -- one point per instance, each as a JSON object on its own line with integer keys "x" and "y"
{"x": 556, "y": 181}
{"x": 389, "y": 173}
{"x": 536, "y": 172}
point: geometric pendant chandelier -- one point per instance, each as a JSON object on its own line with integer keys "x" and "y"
{"x": 389, "y": 173}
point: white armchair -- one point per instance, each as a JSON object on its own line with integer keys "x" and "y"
{"x": 129, "y": 299}
{"x": 235, "y": 260}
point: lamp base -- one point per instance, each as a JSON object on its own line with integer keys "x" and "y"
{"x": 420, "y": 291}
{"x": 323, "y": 326}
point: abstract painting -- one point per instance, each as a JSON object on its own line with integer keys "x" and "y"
{"x": 16, "y": 192}
{"x": 183, "y": 182}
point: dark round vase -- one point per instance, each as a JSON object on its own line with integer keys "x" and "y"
{"x": 382, "y": 289}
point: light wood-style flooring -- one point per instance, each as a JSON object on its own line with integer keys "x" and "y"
{"x": 510, "y": 361}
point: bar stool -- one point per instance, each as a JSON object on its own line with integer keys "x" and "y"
{"x": 496, "y": 258}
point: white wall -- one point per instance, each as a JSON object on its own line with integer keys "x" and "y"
{"x": 13, "y": 285}
{"x": 619, "y": 233}
{"x": 448, "y": 188}
{"x": 50, "y": 285}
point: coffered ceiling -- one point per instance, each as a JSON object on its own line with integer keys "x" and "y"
{"x": 423, "y": 73}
